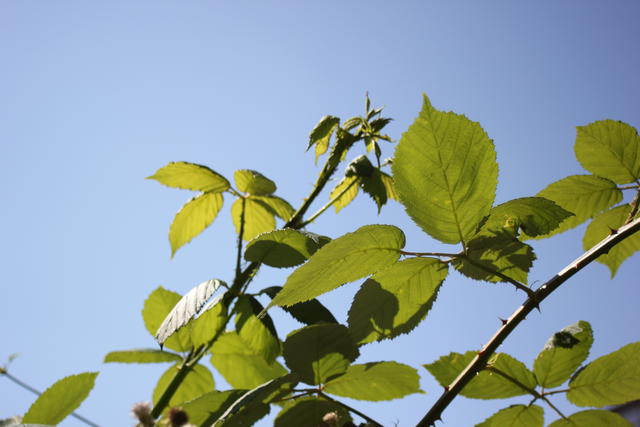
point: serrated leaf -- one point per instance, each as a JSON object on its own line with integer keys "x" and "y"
{"x": 210, "y": 406}
{"x": 156, "y": 308}
{"x": 309, "y": 411}
{"x": 395, "y": 300}
{"x": 197, "y": 382}
{"x": 247, "y": 417}
{"x": 321, "y": 134}
{"x": 279, "y": 206}
{"x": 258, "y": 334}
{"x": 583, "y": 195}
{"x": 319, "y": 352}
{"x": 516, "y": 416}
{"x": 563, "y": 354}
{"x": 602, "y": 226}
{"x": 231, "y": 351}
{"x": 609, "y": 380}
{"x": 445, "y": 174}
{"x": 258, "y": 217}
{"x": 592, "y": 418}
{"x": 192, "y": 219}
{"x": 186, "y": 308}
{"x": 142, "y": 355}
{"x": 387, "y": 181}
{"x": 210, "y": 321}
{"x": 610, "y": 149}
{"x": 533, "y": 215}
{"x": 375, "y": 381}
{"x": 375, "y": 188}
{"x": 281, "y": 248}
{"x": 344, "y": 192}
{"x": 61, "y": 399}
{"x": 496, "y": 251}
{"x": 190, "y": 176}
{"x": 343, "y": 260}
{"x": 253, "y": 182}
{"x": 486, "y": 385}
{"x": 307, "y": 312}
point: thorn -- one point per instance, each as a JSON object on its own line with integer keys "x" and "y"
{"x": 446, "y": 389}
{"x": 504, "y": 321}
{"x": 613, "y": 231}
{"x": 481, "y": 352}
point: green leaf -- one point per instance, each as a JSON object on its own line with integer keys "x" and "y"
{"x": 563, "y": 354}
{"x": 496, "y": 251}
{"x": 584, "y": 195}
{"x": 321, "y": 134}
{"x": 345, "y": 259}
{"x": 445, "y": 174}
{"x": 609, "y": 380}
{"x": 258, "y": 217}
{"x": 516, "y": 416}
{"x": 534, "y": 215}
{"x": 254, "y": 183}
{"x": 319, "y": 352}
{"x": 610, "y": 149}
{"x": 258, "y": 334}
{"x": 61, "y": 399}
{"x": 156, "y": 308}
{"x": 210, "y": 321}
{"x": 307, "y": 312}
{"x": 186, "y": 308}
{"x": 375, "y": 188}
{"x": 388, "y": 183}
{"x": 210, "y": 405}
{"x": 592, "y": 418}
{"x": 231, "y": 351}
{"x": 191, "y": 220}
{"x": 345, "y": 191}
{"x": 486, "y": 385}
{"x": 281, "y": 248}
{"x": 190, "y": 176}
{"x": 376, "y": 381}
{"x": 309, "y": 411}
{"x": 279, "y": 206}
{"x": 142, "y": 355}
{"x": 197, "y": 382}
{"x": 602, "y": 226}
{"x": 395, "y": 300}
{"x": 247, "y": 417}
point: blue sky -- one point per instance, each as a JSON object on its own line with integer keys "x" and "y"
{"x": 98, "y": 95}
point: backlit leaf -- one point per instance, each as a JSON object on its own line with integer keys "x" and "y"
{"x": 197, "y": 382}
{"x": 343, "y": 260}
{"x": 309, "y": 411}
{"x": 319, "y": 352}
{"x": 186, "y": 308}
{"x": 258, "y": 334}
{"x": 592, "y": 418}
{"x": 516, "y": 416}
{"x": 191, "y": 220}
{"x": 210, "y": 405}
{"x": 190, "y": 176}
{"x": 395, "y": 300}
{"x": 602, "y": 226}
{"x": 254, "y": 183}
{"x": 610, "y": 149}
{"x": 210, "y": 321}
{"x": 258, "y": 217}
{"x": 445, "y": 174}
{"x": 281, "y": 248}
{"x": 156, "y": 308}
{"x": 387, "y": 181}
{"x": 345, "y": 192}
{"x": 279, "y": 206}
{"x": 375, "y": 381}
{"x": 609, "y": 380}
{"x": 534, "y": 215}
{"x": 563, "y": 354}
{"x": 375, "y": 188}
{"x": 61, "y": 399}
{"x": 143, "y": 355}
{"x": 321, "y": 134}
{"x": 308, "y": 312}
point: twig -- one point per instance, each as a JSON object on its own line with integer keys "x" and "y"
{"x": 329, "y": 204}
{"x": 240, "y": 235}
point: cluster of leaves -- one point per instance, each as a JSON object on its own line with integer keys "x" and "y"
{"x": 445, "y": 174}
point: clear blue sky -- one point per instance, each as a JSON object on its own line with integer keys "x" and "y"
{"x": 95, "y": 96}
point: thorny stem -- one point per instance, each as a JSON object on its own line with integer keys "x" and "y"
{"x": 329, "y": 204}
{"x": 350, "y": 409}
{"x": 240, "y": 235}
{"x": 480, "y": 360}
{"x": 35, "y": 391}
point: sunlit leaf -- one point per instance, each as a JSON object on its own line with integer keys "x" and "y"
{"x": 258, "y": 334}
{"x": 344, "y": 192}
{"x": 609, "y": 380}
{"x": 516, "y": 416}
{"x": 535, "y": 216}
{"x": 308, "y": 312}
{"x": 186, "y": 308}
{"x": 319, "y": 352}
{"x": 395, "y": 300}
{"x": 375, "y": 381}
{"x": 211, "y": 319}
{"x": 610, "y": 149}
{"x": 387, "y": 181}
{"x": 321, "y": 134}
{"x": 142, "y": 355}
{"x": 279, "y": 206}
{"x": 343, "y": 260}
{"x": 156, "y": 308}
{"x": 61, "y": 399}
{"x": 191, "y": 220}
{"x": 281, "y": 248}
{"x": 592, "y": 418}
{"x": 210, "y": 406}
{"x": 445, "y": 174}
{"x": 254, "y": 183}
{"x": 602, "y": 226}
{"x": 190, "y": 176}
{"x": 309, "y": 411}
{"x": 563, "y": 354}
{"x": 258, "y": 217}
{"x": 197, "y": 382}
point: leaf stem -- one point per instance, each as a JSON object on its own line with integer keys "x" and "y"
{"x": 547, "y": 393}
{"x": 328, "y": 205}
{"x": 504, "y": 277}
{"x": 240, "y": 234}
{"x": 168, "y": 393}
{"x": 350, "y": 409}
{"x": 438, "y": 254}
{"x": 480, "y": 360}
{"x": 35, "y": 391}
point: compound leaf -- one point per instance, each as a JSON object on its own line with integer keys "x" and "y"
{"x": 281, "y": 248}
{"x": 156, "y": 308}
{"x": 258, "y": 217}
{"x": 197, "y": 382}
{"x": 254, "y": 183}
{"x": 142, "y": 355}
{"x": 190, "y": 176}
{"x": 445, "y": 174}
{"x": 592, "y": 418}
{"x": 61, "y": 399}
{"x": 191, "y": 220}
{"x": 516, "y": 416}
